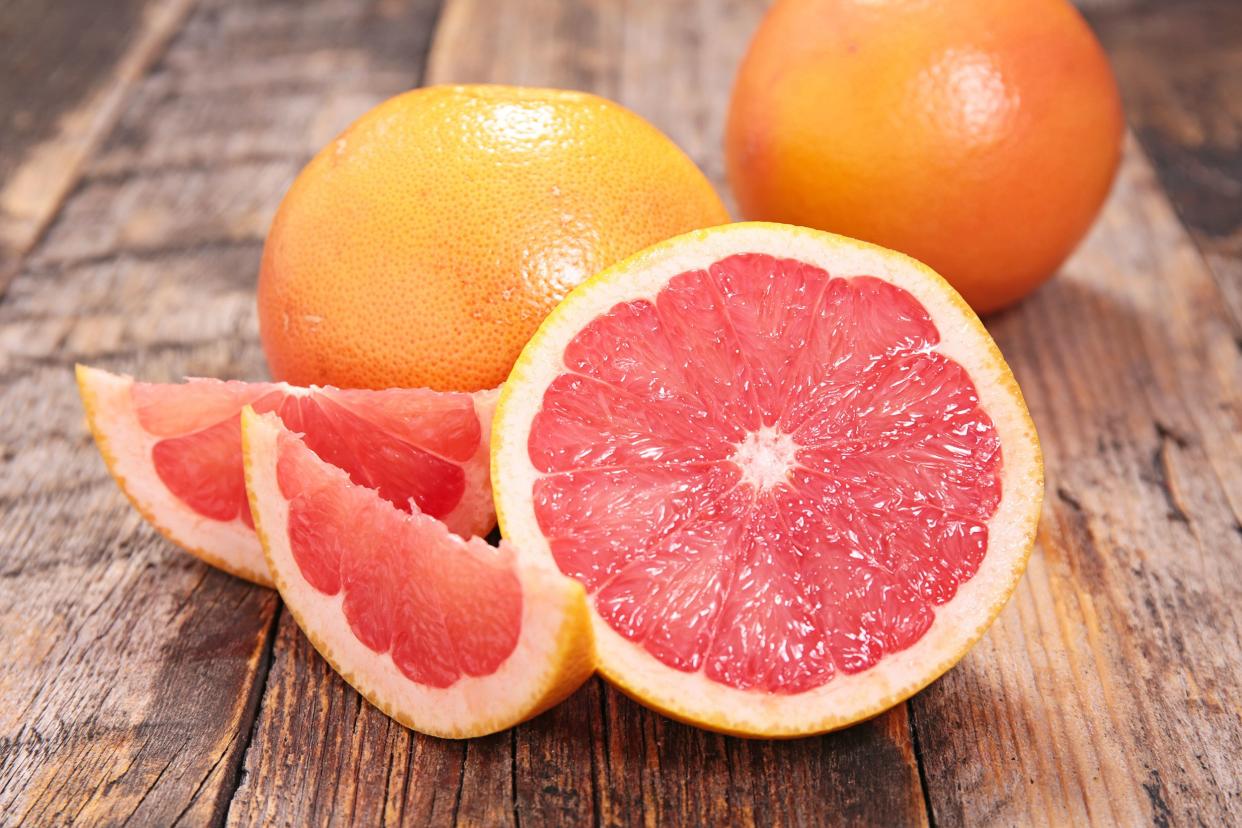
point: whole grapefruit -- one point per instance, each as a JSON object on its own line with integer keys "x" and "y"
{"x": 424, "y": 245}
{"x": 980, "y": 136}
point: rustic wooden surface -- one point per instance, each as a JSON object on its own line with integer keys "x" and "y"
{"x": 136, "y": 182}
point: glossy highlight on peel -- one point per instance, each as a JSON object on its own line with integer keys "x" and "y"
{"x": 424, "y": 245}
{"x": 978, "y": 136}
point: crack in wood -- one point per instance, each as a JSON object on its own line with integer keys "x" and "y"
{"x": 599, "y": 739}
{"x": 254, "y": 707}
{"x": 193, "y": 798}
{"x": 461, "y": 783}
{"x": 513, "y": 775}
{"x": 1161, "y": 815}
{"x": 388, "y": 780}
{"x": 928, "y": 808}
{"x": 1063, "y": 495}
{"x": 1162, "y": 472}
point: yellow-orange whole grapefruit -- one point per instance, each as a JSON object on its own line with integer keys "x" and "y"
{"x": 980, "y": 136}
{"x": 426, "y": 243}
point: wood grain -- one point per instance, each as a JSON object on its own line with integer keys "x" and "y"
{"x": 1104, "y": 692}
{"x": 321, "y": 754}
{"x": 65, "y": 69}
{"x": 128, "y": 671}
{"x": 1180, "y": 70}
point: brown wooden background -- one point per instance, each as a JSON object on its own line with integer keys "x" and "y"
{"x": 145, "y": 144}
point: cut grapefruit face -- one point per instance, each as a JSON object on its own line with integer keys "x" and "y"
{"x": 450, "y": 637}
{"x": 175, "y": 450}
{"x": 792, "y": 471}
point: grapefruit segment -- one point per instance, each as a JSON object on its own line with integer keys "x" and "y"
{"x": 175, "y": 449}
{"x": 792, "y": 471}
{"x": 448, "y": 636}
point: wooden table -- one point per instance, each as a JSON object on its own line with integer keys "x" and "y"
{"x": 145, "y": 144}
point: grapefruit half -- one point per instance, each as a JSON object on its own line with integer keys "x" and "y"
{"x": 175, "y": 450}
{"x": 450, "y": 637}
{"x": 792, "y": 471}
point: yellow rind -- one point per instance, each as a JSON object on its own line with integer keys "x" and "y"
{"x": 573, "y": 661}
{"x": 721, "y": 722}
{"x": 90, "y": 404}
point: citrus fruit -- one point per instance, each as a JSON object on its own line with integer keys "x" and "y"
{"x": 979, "y": 136}
{"x": 424, "y": 245}
{"x": 175, "y": 450}
{"x": 450, "y": 637}
{"x": 792, "y": 471}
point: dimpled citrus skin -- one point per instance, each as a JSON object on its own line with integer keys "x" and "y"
{"x": 425, "y": 244}
{"x": 979, "y": 136}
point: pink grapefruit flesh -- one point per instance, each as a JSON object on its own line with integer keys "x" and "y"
{"x": 176, "y": 450}
{"x": 451, "y": 637}
{"x": 342, "y": 539}
{"x": 791, "y": 471}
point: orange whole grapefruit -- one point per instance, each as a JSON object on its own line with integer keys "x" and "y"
{"x": 980, "y": 136}
{"x": 425, "y": 244}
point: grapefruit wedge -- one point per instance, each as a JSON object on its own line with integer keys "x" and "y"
{"x": 175, "y": 450}
{"x": 791, "y": 470}
{"x": 449, "y": 637}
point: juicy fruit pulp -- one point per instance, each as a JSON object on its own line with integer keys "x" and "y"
{"x": 374, "y": 435}
{"x": 451, "y": 637}
{"x": 765, "y": 473}
{"x": 176, "y": 451}
{"x": 404, "y": 583}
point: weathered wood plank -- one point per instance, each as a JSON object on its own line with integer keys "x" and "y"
{"x": 65, "y": 69}
{"x": 130, "y": 672}
{"x": 1104, "y": 692}
{"x": 322, "y": 754}
{"x": 1080, "y": 705}
{"x": 558, "y": 762}
{"x": 660, "y": 771}
{"x": 1180, "y": 70}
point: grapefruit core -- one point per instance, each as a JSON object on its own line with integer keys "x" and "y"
{"x": 792, "y": 471}
{"x": 175, "y": 450}
{"x": 449, "y": 637}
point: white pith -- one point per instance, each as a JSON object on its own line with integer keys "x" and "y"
{"x": 551, "y": 656}
{"x": 228, "y": 545}
{"x": 959, "y": 623}
{"x": 766, "y": 456}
